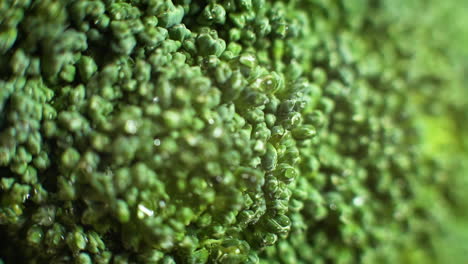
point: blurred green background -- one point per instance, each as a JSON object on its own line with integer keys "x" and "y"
{"x": 442, "y": 28}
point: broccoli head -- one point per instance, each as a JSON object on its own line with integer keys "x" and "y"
{"x": 224, "y": 131}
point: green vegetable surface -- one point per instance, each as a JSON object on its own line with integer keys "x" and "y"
{"x": 233, "y": 131}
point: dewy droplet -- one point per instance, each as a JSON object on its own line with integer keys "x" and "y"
{"x": 143, "y": 209}
{"x": 26, "y": 197}
{"x": 157, "y": 142}
{"x": 131, "y": 126}
{"x": 358, "y": 201}
{"x": 217, "y": 132}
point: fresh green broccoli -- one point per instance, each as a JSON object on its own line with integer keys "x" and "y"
{"x": 223, "y": 131}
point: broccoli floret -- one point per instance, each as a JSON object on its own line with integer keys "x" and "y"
{"x": 227, "y": 131}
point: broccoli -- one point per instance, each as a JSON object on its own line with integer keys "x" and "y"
{"x": 223, "y": 131}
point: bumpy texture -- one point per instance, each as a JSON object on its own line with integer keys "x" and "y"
{"x": 227, "y": 131}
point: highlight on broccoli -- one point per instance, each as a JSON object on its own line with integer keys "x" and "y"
{"x": 227, "y": 131}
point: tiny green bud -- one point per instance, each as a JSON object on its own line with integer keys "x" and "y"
{"x": 304, "y": 132}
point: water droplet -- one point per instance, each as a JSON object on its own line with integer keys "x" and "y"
{"x": 26, "y": 197}
{"x": 192, "y": 140}
{"x": 358, "y": 201}
{"x": 248, "y": 60}
{"x": 144, "y": 211}
{"x": 217, "y": 132}
{"x": 131, "y": 126}
{"x": 211, "y": 121}
{"x": 157, "y": 142}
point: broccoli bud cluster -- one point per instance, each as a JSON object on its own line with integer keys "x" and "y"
{"x": 131, "y": 136}
{"x": 224, "y": 131}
